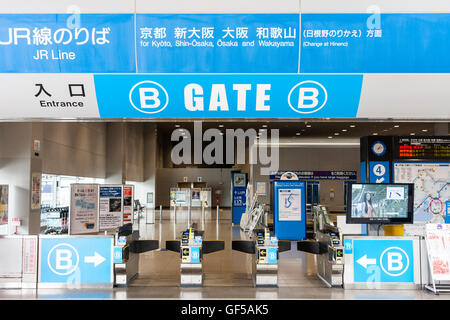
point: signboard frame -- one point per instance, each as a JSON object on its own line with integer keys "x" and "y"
{"x": 74, "y": 285}
{"x": 416, "y": 260}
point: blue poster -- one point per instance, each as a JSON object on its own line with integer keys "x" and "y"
{"x": 383, "y": 261}
{"x": 76, "y": 260}
{"x": 228, "y": 96}
{"x": 375, "y": 43}
{"x": 214, "y": 43}
{"x": 52, "y": 43}
{"x": 110, "y": 192}
{"x": 238, "y": 194}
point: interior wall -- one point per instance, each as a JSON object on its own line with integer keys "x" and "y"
{"x": 74, "y": 148}
{"x": 215, "y": 178}
{"x": 317, "y": 159}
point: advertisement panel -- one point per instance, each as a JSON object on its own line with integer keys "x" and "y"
{"x": 128, "y": 201}
{"x": 111, "y": 206}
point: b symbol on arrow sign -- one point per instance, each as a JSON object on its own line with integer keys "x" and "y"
{"x": 65, "y": 259}
{"x": 396, "y": 261}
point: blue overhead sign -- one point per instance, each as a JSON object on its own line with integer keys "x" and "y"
{"x": 228, "y": 96}
{"x": 213, "y": 43}
{"x": 375, "y": 43}
{"x": 76, "y": 260}
{"x": 52, "y": 43}
{"x": 383, "y": 261}
{"x": 225, "y": 43}
{"x": 318, "y": 175}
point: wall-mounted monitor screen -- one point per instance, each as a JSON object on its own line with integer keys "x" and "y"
{"x": 376, "y": 203}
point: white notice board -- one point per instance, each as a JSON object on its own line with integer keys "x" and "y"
{"x": 83, "y": 215}
{"x": 438, "y": 249}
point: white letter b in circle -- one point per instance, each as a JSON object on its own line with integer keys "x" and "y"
{"x": 63, "y": 259}
{"x": 308, "y": 94}
{"x": 145, "y": 98}
{"x": 394, "y": 261}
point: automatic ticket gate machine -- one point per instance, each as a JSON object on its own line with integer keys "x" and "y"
{"x": 330, "y": 255}
{"x": 127, "y": 248}
{"x": 192, "y": 247}
{"x": 266, "y": 251}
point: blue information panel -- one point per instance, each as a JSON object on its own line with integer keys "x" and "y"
{"x": 76, "y": 260}
{"x": 379, "y": 172}
{"x": 375, "y": 43}
{"x": 383, "y": 260}
{"x": 210, "y": 43}
{"x": 239, "y": 199}
{"x": 53, "y": 43}
{"x": 289, "y": 210}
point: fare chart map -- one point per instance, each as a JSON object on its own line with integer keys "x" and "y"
{"x": 431, "y": 187}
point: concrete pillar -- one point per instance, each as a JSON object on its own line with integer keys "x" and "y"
{"x": 115, "y": 153}
{"x": 18, "y": 162}
{"x": 150, "y": 153}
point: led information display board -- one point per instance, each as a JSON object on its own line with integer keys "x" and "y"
{"x": 423, "y": 148}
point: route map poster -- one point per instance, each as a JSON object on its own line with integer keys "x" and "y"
{"x": 289, "y": 205}
{"x": 431, "y": 188}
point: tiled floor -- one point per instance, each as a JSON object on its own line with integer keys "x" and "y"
{"x": 227, "y": 273}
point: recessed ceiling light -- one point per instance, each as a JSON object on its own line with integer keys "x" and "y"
{"x": 330, "y": 137}
{"x": 375, "y": 134}
{"x": 264, "y": 125}
{"x": 336, "y": 133}
{"x": 220, "y": 125}
{"x": 352, "y": 126}
{"x": 297, "y": 134}
{"x": 177, "y": 126}
{"x": 412, "y": 134}
{"x": 344, "y": 130}
{"x": 396, "y": 126}
{"x": 424, "y": 130}
{"x": 308, "y": 126}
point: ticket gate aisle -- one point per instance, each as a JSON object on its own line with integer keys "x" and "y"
{"x": 330, "y": 255}
{"x": 266, "y": 251}
{"x": 192, "y": 247}
{"x": 126, "y": 254}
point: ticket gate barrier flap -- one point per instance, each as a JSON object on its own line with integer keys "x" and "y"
{"x": 126, "y": 230}
{"x": 284, "y": 245}
{"x": 312, "y": 246}
{"x": 245, "y": 246}
{"x": 173, "y": 245}
{"x": 210, "y": 246}
{"x": 140, "y": 246}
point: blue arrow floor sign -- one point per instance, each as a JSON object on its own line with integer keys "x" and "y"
{"x": 76, "y": 260}
{"x": 383, "y": 261}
